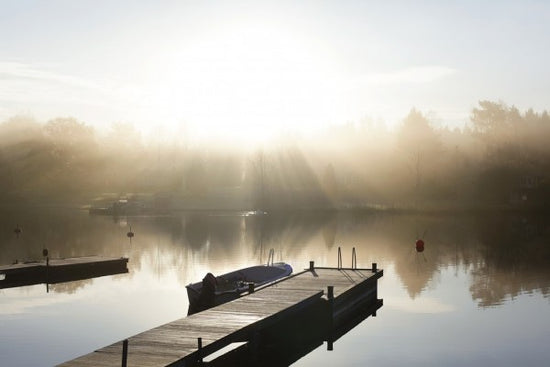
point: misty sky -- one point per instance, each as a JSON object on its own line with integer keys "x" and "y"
{"x": 249, "y": 69}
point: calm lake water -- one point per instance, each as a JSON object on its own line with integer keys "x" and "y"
{"x": 479, "y": 295}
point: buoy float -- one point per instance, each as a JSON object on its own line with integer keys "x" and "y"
{"x": 419, "y": 245}
{"x": 17, "y": 230}
{"x": 130, "y": 234}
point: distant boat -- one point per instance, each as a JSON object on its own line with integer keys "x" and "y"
{"x": 255, "y": 212}
{"x": 213, "y": 291}
{"x": 125, "y": 207}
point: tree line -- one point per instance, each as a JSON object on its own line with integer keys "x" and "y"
{"x": 498, "y": 159}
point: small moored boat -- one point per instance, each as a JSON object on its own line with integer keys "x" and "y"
{"x": 213, "y": 291}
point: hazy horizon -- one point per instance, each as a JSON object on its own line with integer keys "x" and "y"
{"x": 248, "y": 71}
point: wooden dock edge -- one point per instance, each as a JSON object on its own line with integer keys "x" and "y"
{"x": 285, "y": 342}
{"x": 248, "y": 333}
{"x": 330, "y": 318}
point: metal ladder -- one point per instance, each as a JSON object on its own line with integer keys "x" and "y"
{"x": 353, "y": 258}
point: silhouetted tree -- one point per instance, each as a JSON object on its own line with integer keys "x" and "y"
{"x": 419, "y": 142}
{"x": 259, "y": 176}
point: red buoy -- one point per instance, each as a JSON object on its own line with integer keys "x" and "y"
{"x": 419, "y": 245}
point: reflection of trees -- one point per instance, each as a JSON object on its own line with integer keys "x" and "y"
{"x": 196, "y": 231}
{"x": 515, "y": 258}
{"x": 225, "y": 229}
{"x": 329, "y": 232}
{"x": 160, "y": 243}
{"x": 285, "y": 230}
{"x": 416, "y": 270}
{"x": 506, "y": 255}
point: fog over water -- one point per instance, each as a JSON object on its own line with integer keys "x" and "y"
{"x": 497, "y": 160}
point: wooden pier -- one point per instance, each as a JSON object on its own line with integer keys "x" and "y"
{"x": 332, "y": 295}
{"x": 52, "y": 271}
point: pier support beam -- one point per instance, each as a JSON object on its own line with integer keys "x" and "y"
{"x": 199, "y": 350}
{"x": 330, "y": 321}
{"x": 124, "y": 352}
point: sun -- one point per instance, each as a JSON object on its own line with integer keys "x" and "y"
{"x": 245, "y": 82}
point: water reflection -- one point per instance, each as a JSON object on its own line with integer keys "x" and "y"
{"x": 487, "y": 259}
{"x": 505, "y": 255}
{"x": 515, "y": 255}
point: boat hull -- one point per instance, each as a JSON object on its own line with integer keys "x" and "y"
{"x": 230, "y": 286}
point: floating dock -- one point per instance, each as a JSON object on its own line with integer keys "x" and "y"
{"x": 52, "y": 271}
{"x": 326, "y": 299}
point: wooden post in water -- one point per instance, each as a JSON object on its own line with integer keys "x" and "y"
{"x": 330, "y": 296}
{"x": 45, "y": 254}
{"x": 374, "y": 268}
{"x": 311, "y": 265}
{"x": 124, "y": 352}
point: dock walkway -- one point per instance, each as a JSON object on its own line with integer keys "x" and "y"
{"x": 60, "y": 270}
{"x": 186, "y": 341}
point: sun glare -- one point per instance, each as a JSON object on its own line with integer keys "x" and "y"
{"x": 246, "y": 83}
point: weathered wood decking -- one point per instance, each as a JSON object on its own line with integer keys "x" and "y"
{"x": 60, "y": 270}
{"x": 177, "y": 343}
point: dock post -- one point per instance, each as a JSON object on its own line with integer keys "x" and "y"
{"x": 311, "y": 265}
{"x": 255, "y": 345}
{"x": 374, "y": 268}
{"x": 199, "y": 347}
{"x": 339, "y": 258}
{"x": 330, "y": 296}
{"x": 250, "y": 288}
{"x": 124, "y": 352}
{"x": 45, "y": 252}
